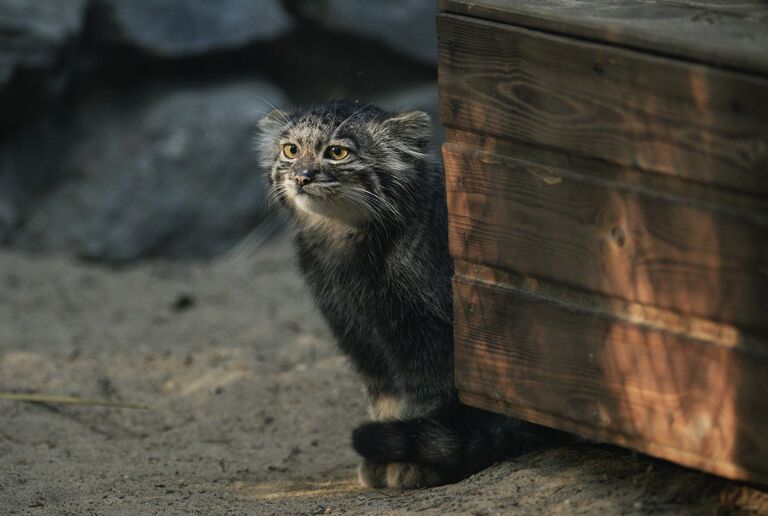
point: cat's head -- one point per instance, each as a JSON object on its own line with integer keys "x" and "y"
{"x": 343, "y": 162}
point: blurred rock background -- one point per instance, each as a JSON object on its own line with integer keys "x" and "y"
{"x": 126, "y": 125}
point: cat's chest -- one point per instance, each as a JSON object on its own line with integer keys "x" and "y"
{"x": 350, "y": 276}
{"x": 350, "y": 281}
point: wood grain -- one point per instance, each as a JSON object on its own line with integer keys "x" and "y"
{"x": 742, "y": 204}
{"x": 728, "y": 34}
{"x": 667, "y": 321}
{"x": 696, "y": 402}
{"x": 607, "y": 181}
{"x": 594, "y": 100}
{"x": 607, "y": 236}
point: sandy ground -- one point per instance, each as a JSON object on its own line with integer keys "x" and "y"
{"x": 251, "y": 407}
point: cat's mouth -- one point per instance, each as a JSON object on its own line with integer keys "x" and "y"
{"x": 318, "y": 189}
{"x": 329, "y": 200}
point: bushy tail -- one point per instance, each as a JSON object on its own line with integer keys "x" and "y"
{"x": 458, "y": 440}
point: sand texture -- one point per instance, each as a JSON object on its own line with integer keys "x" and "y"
{"x": 251, "y": 406}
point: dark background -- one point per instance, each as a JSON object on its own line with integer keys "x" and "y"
{"x": 127, "y": 125}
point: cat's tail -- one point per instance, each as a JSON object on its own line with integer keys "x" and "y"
{"x": 456, "y": 441}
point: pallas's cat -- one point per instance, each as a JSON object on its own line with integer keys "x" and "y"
{"x": 369, "y": 218}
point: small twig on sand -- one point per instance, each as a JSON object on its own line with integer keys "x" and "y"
{"x": 68, "y": 400}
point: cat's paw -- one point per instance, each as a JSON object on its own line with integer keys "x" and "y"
{"x": 400, "y": 475}
{"x": 408, "y": 475}
{"x": 372, "y": 474}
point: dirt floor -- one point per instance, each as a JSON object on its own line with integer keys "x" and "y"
{"x": 251, "y": 406}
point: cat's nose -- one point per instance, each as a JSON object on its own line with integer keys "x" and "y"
{"x": 304, "y": 177}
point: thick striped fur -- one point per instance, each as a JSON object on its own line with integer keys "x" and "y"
{"x": 371, "y": 235}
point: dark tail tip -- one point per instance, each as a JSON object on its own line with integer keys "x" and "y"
{"x": 382, "y": 442}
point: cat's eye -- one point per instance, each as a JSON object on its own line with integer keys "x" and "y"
{"x": 290, "y": 150}
{"x": 336, "y": 152}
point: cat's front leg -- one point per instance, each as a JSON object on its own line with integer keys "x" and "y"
{"x": 391, "y": 407}
{"x": 385, "y": 406}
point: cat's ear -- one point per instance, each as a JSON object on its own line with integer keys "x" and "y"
{"x": 273, "y": 121}
{"x": 414, "y": 126}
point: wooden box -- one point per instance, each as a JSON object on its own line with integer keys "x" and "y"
{"x": 607, "y": 181}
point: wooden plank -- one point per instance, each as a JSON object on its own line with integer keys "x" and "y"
{"x": 729, "y": 34}
{"x": 593, "y": 100}
{"x": 641, "y": 245}
{"x": 740, "y": 203}
{"x": 700, "y": 403}
{"x": 659, "y": 319}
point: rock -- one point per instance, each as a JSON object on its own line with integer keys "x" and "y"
{"x": 33, "y": 31}
{"x": 407, "y": 26}
{"x": 30, "y": 165}
{"x": 167, "y": 174}
{"x": 8, "y": 208}
{"x": 189, "y": 27}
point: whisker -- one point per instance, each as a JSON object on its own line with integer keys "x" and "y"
{"x": 287, "y": 121}
{"x": 374, "y": 203}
